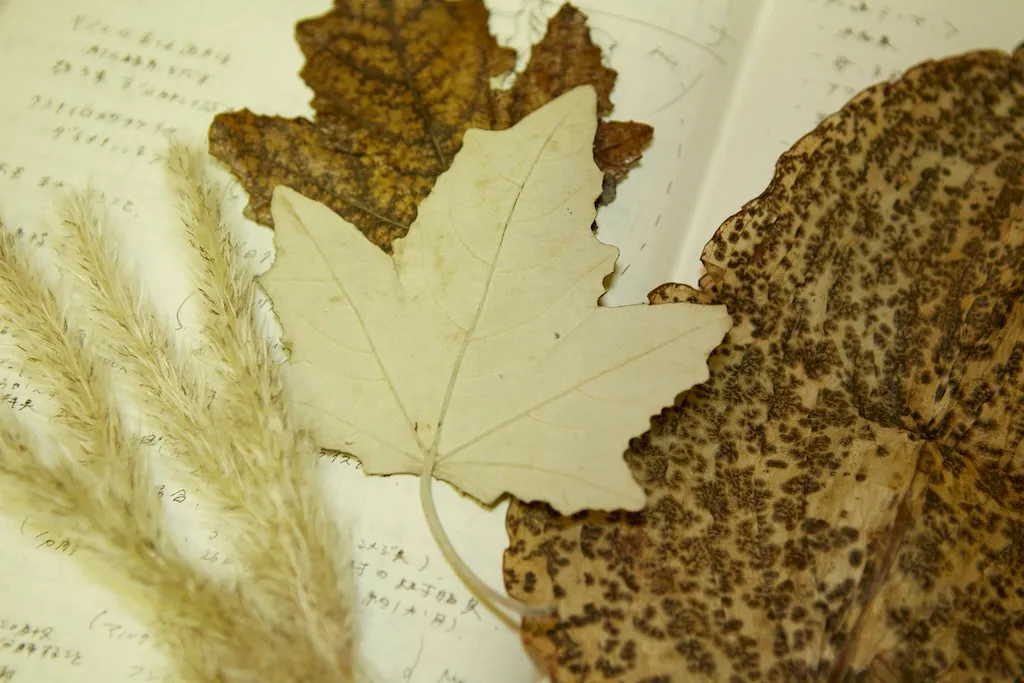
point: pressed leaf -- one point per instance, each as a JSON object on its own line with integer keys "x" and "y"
{"x": 566, "y": 58}
{"x": 617, "y": 149}
{"x": 396, "y": 84}
{"x": 843, "y": 500}
{"x": 478, "y": 350}
{"x": 563, "y": 59}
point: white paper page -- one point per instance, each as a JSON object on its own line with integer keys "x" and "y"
{"x": 807, "y": 58}
{"x": 677, "y": 62}
{"x": 90, "y": 87}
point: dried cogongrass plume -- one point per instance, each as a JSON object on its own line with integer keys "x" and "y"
{"x": 92, "y": 344}
{"x": 844, "y": 499}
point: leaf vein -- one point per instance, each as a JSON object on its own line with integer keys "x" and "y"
{"x": 544, "y": 312}
{"x": 551, "y": 399}
{"x": 487, "y": 288}
{"x": 366, "y": 332}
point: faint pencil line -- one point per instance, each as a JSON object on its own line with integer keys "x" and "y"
{"x": 643, "y": 22}
{"x": 687, "y": 87}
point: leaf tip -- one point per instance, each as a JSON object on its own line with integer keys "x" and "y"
{"x": 586, "y": 94}
{"x": 282, "y": 199}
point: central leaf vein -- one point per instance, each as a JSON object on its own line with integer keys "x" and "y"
{"x": 484, "y": 295}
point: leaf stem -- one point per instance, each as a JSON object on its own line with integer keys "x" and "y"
{"x": 475, "y": 584}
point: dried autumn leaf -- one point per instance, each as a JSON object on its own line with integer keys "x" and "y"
{"x": 478, "y": 353}
{"x": 564, "y": 59}
{"x": 618, "y": 147}
{"x": 478, "y": 348}
{"x": 397, "y": 83}
{"x": 844, "y": 499}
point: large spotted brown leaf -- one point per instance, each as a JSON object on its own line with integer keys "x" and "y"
{"x": 396, "y": 84}
{"x": 844, "y": 499}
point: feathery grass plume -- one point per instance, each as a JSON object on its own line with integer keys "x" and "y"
{"x": 31, "y": 308}
{"x": 249, "y": 390}
{"x": 235, "y": 438}
{"x": 290, "y": 617}
{"x": 98, "y": 489}
{"x": 110, "y": 511}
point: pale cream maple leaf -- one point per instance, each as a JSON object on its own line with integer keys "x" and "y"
{"x": 477, "y": 352}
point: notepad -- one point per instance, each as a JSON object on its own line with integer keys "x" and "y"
{"x": 91, "y": 89}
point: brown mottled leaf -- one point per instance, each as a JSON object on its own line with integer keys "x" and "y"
{"x": 563, "y": 59}
{"x": 396, "y": 84}
{"x": 618, "y": 148}
{"x": 844, "y": 499}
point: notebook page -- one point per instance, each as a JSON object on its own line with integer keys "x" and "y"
{"x": 677, "y": 62}
{"x": 91, "y": 87}
{"x": 806, "y": 59}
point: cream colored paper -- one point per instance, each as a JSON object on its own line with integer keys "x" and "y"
{"x": 90, "y": 87}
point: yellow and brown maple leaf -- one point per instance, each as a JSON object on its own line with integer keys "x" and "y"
{"x": 396, "y": 84}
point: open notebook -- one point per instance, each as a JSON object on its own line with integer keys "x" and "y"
{"x": 90, "y": 88}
